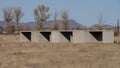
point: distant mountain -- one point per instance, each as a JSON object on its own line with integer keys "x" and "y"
{"x": 2, "y": 23}
{"x": 31, "y": 25}
{"x": 73, "y": 25}
{"x": 105, "y": 26}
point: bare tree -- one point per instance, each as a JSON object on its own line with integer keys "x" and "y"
{"x": 7, "y": 17}
{"x": 118, "y": 26}
{"x": 100, "y": 23}
{"x": 17, "y": 15}
{"x": 41, "y": 15}
{"x": 56, "y": 23}
{"x": 116, "y": 30}
{"x": 65, "y": 18}
{"x": 11, "y": 29}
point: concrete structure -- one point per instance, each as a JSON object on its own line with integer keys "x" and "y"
{"x": 108, "y": 36}
{"x": 25, "y": 36}
{"x": 103, "y": 36}
{"x": 73, "y": 36}
{"x": 41, "y": 36}
{"x": 94, "y": 36}
{"x": 61, "y": 36}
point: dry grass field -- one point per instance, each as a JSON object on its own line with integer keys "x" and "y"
{"x": 15, "y": 54}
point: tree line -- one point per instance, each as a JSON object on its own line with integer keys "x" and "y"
{"x": 41, "y": 14}
{"x": 12, "y": 14}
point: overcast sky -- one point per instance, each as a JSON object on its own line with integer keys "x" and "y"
{"x": 85, "y": 12}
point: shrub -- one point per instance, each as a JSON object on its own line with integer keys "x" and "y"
{"x": 10, "y": 29}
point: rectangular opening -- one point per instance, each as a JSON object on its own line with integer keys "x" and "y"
{"x": 46, "y": 35}
{"x": 97, "y": 35}
{"x": 67, "y": 35}
{"x": 27, "y": 35}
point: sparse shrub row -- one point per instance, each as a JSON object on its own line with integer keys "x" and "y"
{"x": 41, "y": 13}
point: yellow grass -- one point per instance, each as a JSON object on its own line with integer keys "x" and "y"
{"x": 9, "y": 38}
{"x": 59, "y": 55}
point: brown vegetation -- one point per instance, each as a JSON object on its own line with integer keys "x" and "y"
{"x": 65, "y": 18}
{"x": 17, "y": 15}
{"x": 7, "y": 13}
{"x": 41, "y": 16}
{"x": 15, "y": 54}
{"x": 11, "y": 14}
{"x": 64, "y": 55}
{"x": 55, "y": 24}
{"x": 9, "y": 38}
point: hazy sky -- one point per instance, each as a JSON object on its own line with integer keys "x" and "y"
{"x": 85, "y": 12}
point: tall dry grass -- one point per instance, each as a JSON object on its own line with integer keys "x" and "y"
{"x": 59, "y": 55}
{"x": 9, "y": 38}
{"x": 14, "y": 54}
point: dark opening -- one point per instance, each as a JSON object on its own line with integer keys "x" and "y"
{"x": 46, "y": 35}
{"x": 27, "y": 35}
{"x": 97, "y": 35}
{"x": 67, "y": 35}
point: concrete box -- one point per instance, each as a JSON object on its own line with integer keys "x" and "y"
{"x": 61, "y": 36}
{"x": 79, "y": 36}
{"x": 25, "y": 36}
{"x": 108, "y": 36}
{"x": 73, "y": 36}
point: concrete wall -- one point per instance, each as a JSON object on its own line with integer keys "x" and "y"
{"x": 91, "y": 38}
{"x": 45, "y": 36}
{"x": 23, "y": 38}
{"x": 68, "y": 35}
{"x": 79, "y": 36}
{"x": 74, "y": 36}
{"x": 35, "y": 36}
{"x": 108, "y": 36}
{"x": 57, "y": 37}
{"x": 38, "y": 36}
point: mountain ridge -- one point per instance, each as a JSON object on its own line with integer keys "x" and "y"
{"x": 72, "y": 23}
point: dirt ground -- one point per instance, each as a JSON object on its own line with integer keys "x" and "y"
{"x": 58, "y": 55}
